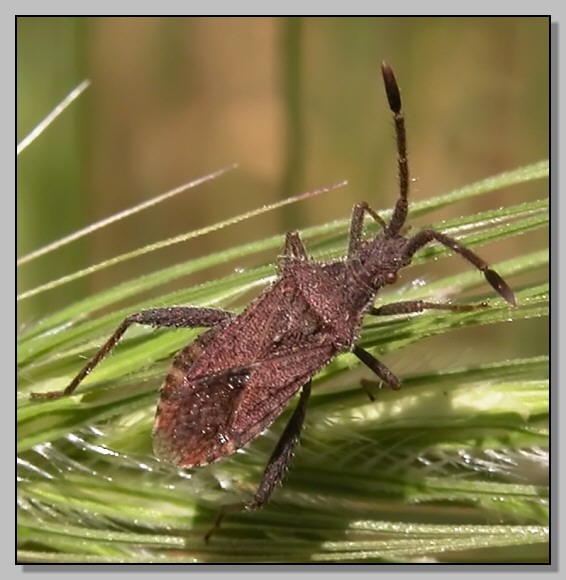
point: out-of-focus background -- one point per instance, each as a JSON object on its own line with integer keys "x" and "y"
{"x": 297, "y": 102}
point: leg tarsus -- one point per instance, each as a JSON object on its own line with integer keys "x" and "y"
{"x": 366, "y": 384}
{"x": 424, "y": 237}
{"x": 276, "y": 466}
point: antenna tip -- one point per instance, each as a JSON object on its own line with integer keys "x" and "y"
{"x": 391, "y": 88}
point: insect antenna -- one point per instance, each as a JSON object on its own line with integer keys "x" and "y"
{"x": 394, "y": 98}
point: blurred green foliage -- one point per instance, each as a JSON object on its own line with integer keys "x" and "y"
{"x": 297, "y": 102}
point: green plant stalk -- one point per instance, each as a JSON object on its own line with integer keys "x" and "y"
{"x": 451, "y": 466}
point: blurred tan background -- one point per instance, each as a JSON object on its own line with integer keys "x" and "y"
{"x": 297, "y": 102}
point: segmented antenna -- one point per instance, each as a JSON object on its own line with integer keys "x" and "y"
{"x": 394, "y": 98}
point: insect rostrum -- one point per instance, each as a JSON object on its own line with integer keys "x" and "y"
{"x": 237, "y": 377}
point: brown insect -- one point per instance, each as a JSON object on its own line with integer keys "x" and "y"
{"x": 236, "y": 378}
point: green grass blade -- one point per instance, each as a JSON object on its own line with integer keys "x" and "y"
{"x": 452, "y": 467}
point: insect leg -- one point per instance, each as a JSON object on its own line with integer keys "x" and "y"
{"x": 424, "y": 237}
{"x": 277, "y": 464}
{"x": 377, "y": 367}
{"x": 175, "y": 317}
{"x": 410, "y": 306}
{"x": 357, "y": 225}
{"x": 294, "y": 246}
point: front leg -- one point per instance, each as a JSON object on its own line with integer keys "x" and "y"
{"x": 294, "y": 247}
{"x": 294, "y": 250}
{"x": 357, "y": 225}
{"x": 424, "y": 237}
{"x": 173, "y": 317}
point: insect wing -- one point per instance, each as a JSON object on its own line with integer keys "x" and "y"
{"x": 193, "y": 417}
{"x": 270, "y": 387}
{"x": 233, "y": 381}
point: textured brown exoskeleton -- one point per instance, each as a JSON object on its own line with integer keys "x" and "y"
{"x": 236, "y": 378}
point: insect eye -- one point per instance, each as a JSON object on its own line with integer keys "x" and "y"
{"x": 390, "y": 278}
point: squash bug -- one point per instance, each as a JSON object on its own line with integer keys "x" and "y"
{"x": 236, "y": 378}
